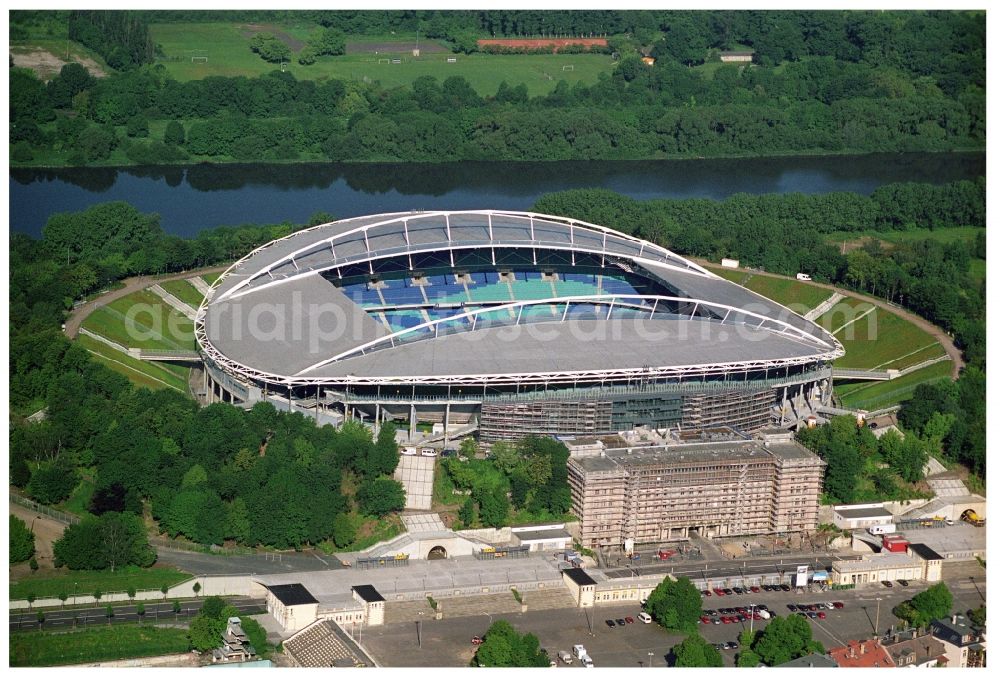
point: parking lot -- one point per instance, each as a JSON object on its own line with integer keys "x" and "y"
{"x": 448, "y": 642}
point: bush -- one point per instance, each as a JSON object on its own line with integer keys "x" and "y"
{"x": 21, "y": 541}
{"x": 112, "y": 540}
{"x": 381, "y": 497}
{"x": 22, "y": 152}
{"x": 52, "y": 483}
{"x": 137, "y": 126}
{"x": 174, "y": 134}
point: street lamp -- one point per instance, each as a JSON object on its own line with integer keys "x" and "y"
{"x": 878, "y": 605}
{"x": 650, "y": 659}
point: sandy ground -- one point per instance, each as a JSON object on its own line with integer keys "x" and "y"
{"x": 46, "y": 531}
{"x": 48, "y": 65}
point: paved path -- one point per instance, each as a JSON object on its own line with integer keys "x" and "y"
{"x": 939, "y": 334}
{"x": 131, "y": 285}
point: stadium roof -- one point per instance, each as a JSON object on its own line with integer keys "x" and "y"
{"x": 273, "y": 316}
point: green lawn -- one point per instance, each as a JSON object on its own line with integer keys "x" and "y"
{"x": 44, "y": 649}
{"x": 885, "y": 340}
{"x": 185, "y": 291}
{"x": 799, "y": 296}
{"x": 143, "y": 320}
{"x": 80, "y": 498}
{"x": 876, "y": 394}
{"x": 152, "y": 375}
{"x": 210, "y": 277}
{"x": 52, "y": 583}
{"x": 228, "y": 52}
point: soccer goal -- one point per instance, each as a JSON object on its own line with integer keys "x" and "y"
{"x": 202, "y": 60}
{"x": 384, "y": 61}
{"x": 568, "y": 67}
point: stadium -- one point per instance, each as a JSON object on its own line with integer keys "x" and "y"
{"x": 506, "y": 323}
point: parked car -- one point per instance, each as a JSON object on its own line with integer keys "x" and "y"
{"x": 477, "y": 640}
{"x": 620, "y": 622}
{"x": 738, "y": 590}
{"x": 587, "y": 662}
{"x": 755, "y": 589}
{"x": 716, "y": 621}
{"x": 719, "y": 592}
{"x": 646, "y": 619}
{"x": 610, "y": 623}
{"x": 731, "y": 645}
{"x": 565, "y": 657}
{"x": 711, "y": 613}
{"x": 812, "y": 615}
{"x": 829, "y": 606}
{"x": 792, "y": 607}
{"x": 785, "y": 587}
{"x": 728, "y": 591}
{"x": 629, "y": 620}
{"x": 821, "y": 615}
{"x": 903, "y": 582}
{"x": 838, "y": 605}
{"x": 579, "y": 651}
{"x": 887, "y": 584}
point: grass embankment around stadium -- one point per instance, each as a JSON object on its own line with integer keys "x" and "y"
{"x": 123, "y": 641}
{"x": 56, "y": 582}
{"x": 227, "y": 49}
{"x": 873, "y": 338}
{"x": 143, "y": 320}
{"x": 184, "y": 291}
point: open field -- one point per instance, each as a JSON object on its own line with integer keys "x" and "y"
{"x": 226, "y": 45}
{"x": 884, "y": 340}
{"x": 799, "y": 296}
{"x": 152, "y": 375}
{"x": 54, "y": 582}
{"x": 877, "y": 394}
{"x": 42, "y": 649}
{"x": 185, "y": 291}
{"x": 143, "y": 320}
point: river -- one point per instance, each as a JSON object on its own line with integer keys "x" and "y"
{"x": 189, "y": 199}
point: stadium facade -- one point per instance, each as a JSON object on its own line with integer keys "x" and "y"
{"x": 503, "y": 322}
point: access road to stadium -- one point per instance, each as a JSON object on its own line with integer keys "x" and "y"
{"x": 446, "y": 642}
{"x": 940, "y": 335}
{"x": 155, "y": 612}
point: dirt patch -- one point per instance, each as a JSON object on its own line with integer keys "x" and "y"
{"x": 535, "y": 43}
{"x": 46, "y": 531}
{"x": 250, "y": 30}
{"x": 48, "y": 65}
{"x": 395, "y": 47}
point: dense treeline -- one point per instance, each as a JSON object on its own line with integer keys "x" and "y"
{"x": 784, "y": 233}
{"x": 848, "y": 85}
{"x": 120, "y": 37}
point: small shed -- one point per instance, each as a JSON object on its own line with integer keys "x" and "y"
{"x": 860, "y": 516}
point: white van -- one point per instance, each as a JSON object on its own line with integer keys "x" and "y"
{"x": 644, "y": 617}
{"x": 565, "y": 657}
{"x": 579, "y": 651}
{"x": 803, "y": 277}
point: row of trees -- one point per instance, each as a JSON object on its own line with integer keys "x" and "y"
{"x": 503, "y": 646}
{"x": 121, "y": 38}
{"x": 528, "y": 476}
{"x": 107, "y": 542}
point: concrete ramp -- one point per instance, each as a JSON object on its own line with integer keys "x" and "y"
{"x": 823, "y": 307}
{"x": 173, "y": 301}
{"x": 199, "y": 284}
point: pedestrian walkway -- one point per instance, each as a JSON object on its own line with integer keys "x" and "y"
{"x": 173, "y": 301}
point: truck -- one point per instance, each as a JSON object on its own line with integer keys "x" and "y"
{"x": 579, "y": 651}
{"x": 801, "y": 276}
{"x": 408, "y": 451}
{"x": 973, "y": 518}
{"x": 879, "y": 530}
{"x": 565, "y": 657}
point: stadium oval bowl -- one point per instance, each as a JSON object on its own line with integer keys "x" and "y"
{"x": 506, "y": 322}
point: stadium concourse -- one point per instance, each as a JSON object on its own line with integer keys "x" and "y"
{"x": 504, "y": 322}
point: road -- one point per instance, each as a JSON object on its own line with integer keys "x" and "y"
{"x": 940, "y": 335}
{"x": 446, "y": 643}
{"x": 731, "y": 568}
{"x": 155, "y": 612}
{"x": 258, "y": 563}
{"x": 130, "y": 285}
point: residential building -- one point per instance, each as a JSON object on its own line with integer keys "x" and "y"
{"x": 868, "y": 653}
{"x": 715, "y": 481}
{"x": 812, "y": 660}
{"x": 964, "y": 644}
{"x": 912, "y": 649}
{"x": 919, "y": 562}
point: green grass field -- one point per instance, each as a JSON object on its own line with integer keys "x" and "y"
{"x": 52, "y": 583}
{"x": 44, "y": 649}
{"x": 143, "y": 320}
{"x": 876, "y": 394}
{"x": 799, "y": 296}
{"x": 210, "y": 277}
{"x": 78, "y": 500}
{"x": 152, "y": 375}
{"x": 228, "y": 52}
{"x": 184, "y": 290}
{"x": 887, "y": 341}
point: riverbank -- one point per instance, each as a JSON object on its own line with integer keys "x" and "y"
{"x": 191, "y": 198}
{"x": 118, "y": 159}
